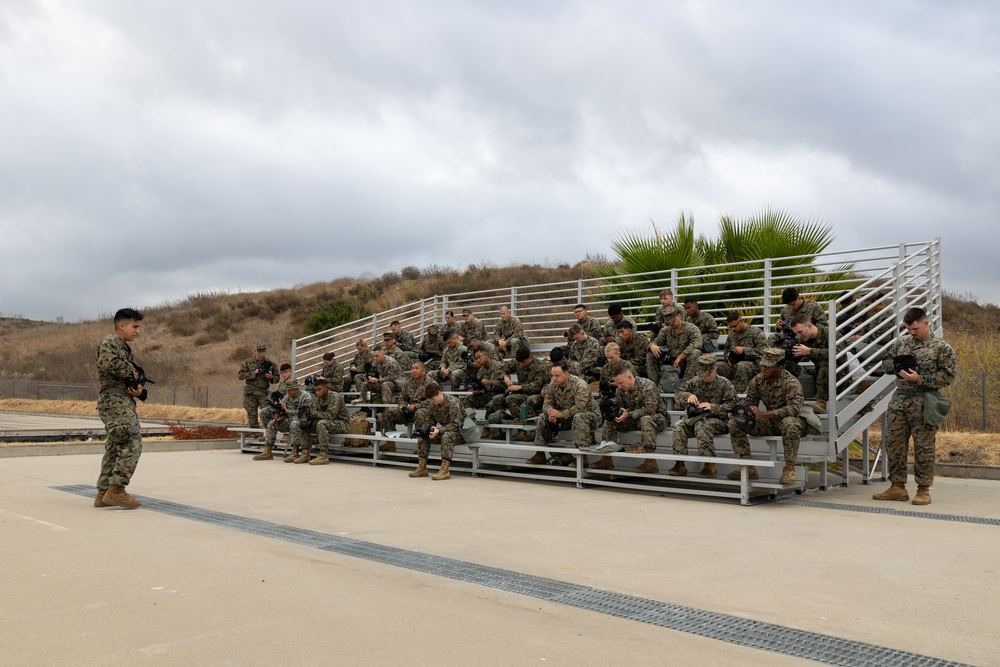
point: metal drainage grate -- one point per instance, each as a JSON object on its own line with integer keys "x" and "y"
{"x": 723, "y": 627}
{"x": 984, "y": 521}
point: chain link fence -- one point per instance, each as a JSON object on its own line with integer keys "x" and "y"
{"x": 206, "y": 396}
{"x": 975, "y": 402}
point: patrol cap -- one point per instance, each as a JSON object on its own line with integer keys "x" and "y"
{"x": 388, "y": 335}
{"x": 772, "y": 357}
{"x": 466, "y": 311}
{"x": 292, "y": 383}
{"x": 706, "y": 364}
{"x": 262, "y": 347}
{"x": 433, "y": 329}
{"x": 670, "y": 311}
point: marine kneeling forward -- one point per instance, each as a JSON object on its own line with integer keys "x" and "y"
{"x": 281, "y": 412}
{"x": 568, "y": 404}
{"x": 637, "y": 405}
{"x": 708, "y": 399}
{"x": 325, "y": 417}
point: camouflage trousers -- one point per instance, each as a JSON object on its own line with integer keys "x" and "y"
{"x": 123, "y": 445}
{"x": 447, "y": 440}
{"x": 253, "y": 400}
{"x": 905, "y": 421}
{"x": 790, "y": 429}
{"x": 704, "y": 430}
{"x": 456, "y": 378}
{"x": 512, "y": 344}
{"x": 740, "y": 376}
{"x": 582, "y": 424}
{"x": 482, "y": 400}
{"x": 647, "y": 425}
{"x": 686, "y": 370}
{"x": 433, "y": 363}
{"x": 589, "y": 374}
{"x": 512, "y": 404}
{"x": 388, "y": 419}
{"x": 322, "y": 429}
{"x": 821, "y": 373}
{"x": 275, "y": 425}
{"x": 380, "y": 391}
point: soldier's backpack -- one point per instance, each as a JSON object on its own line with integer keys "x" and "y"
{"x": 670, "y": 379}
{"x": 359, "y": 426}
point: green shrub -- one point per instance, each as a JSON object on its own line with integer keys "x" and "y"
{"x": 333, "y": 314}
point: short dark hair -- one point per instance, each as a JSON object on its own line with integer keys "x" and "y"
{"x": 733, "y": 316}
{"x": 614, "y": 309}
{"x": 328, "y": 356}
{"x": 789, "y": 295}
{"x": 801, "y": 318}
{"x": 574, "y": 329}
{"x": 128, "y": 314}
{"x": 450, "y": 312}
{"x": 557, "y": 355}
{"x": 378, "y": 348}
{"x": 914, "y": 315}
{"x": 845, "y": 299}
{"x": 561, "y": 366}
{"x": 624, "y": 324}
{"x": 394, "y": 323}
{"x": 622, "y": 370}
{"x": 432, "y": 390}
{"x": 285, "y": 367}
{"x": 449, "y": 334}
{"x": 523, "y": 353}
{"x": 690, "y": 299}
{"x": 579, "y": 305}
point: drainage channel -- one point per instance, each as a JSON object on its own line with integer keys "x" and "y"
{"x": 771, "y": 637}
{"x": 961, "y": 518}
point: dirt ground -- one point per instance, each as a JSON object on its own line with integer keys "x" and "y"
{"x": 952, "y": 446}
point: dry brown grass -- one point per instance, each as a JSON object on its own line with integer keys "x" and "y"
{"x": 172, "y": 412}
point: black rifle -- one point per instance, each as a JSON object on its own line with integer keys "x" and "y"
{"x": 277, "y": 409}
{"x": 305, "y": 417}
{"x": 422, "y": 432}
{"x": 744, "y": 418}
{"x": 134, "y": 383}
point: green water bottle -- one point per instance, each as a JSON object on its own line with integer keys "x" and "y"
{"x": 524, "y": 412}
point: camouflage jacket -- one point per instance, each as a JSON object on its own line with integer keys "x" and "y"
{"x": 635, "y": 350}
{"x": 810, "y": 308}
{"x": 433, "y": 345}
{"x": 115, "y": 363}
{"x": 491, "y": 350}
{"x": 571, "y": 400}
{"x": 248, "y": 372}
{"x": 283, "y": 386}
{"x": 586, "y": 353}
{"x": 331, "y": 407}
{"x": 492, "y": 378}
{"x": 705, "y": 323}
{"x": 445, "y": 328}
{"x": 592, "y": 327}
{"x": 389, "y": 369}
{"x": 784, "y": 397}
{"x": 608, "y": 371}
{"x": 401, "y": 356}
{"x": 658, "y": 316}
{"x": 413, "y": 392}
{"x": 506, "y": 330}
{"x": 452, "y": 357}
{"x": 937, "y": 365}
{"x": 719, "y": 392}
{"x": 751, "y": 339}
{"x": 335, "y": 374}
{"x": 611, "y": 328}
{"x": 536, "y": 375}
{"x": 292, "y": 405}
{"x": 685, "y": 341}
{"x": 643, "y": 400}
{"x": 469, "y": 331}
{"x": 819, "y": 347}
{"x": 360, "y": 359}
{"x": 448, "y": 416}
{"x": 405, "y": 341}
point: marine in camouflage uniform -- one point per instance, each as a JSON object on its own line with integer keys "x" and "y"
{"x": 510, "y": 331}
{"x": 404, "y": 339}
{"x": 609, "y": 370}
{"x": 718, "y": 392}
{"x": 609, "y": 332}
{"x": 255, "y": 391}
{"x": 936, "y": 367}
{"x": 819, "y": 349}
{"x": 635, "y": 349}
{"x": 333, "y": 372}
{"x": 707, "y": 326}
{"x": 647, "y": 413}
{"x": 284, "y": 423}
{"x": 329, "y": 417}
{"x": 116, "y": 407}
{"x": 411, "y": 394}
{"x": 533, "y": 374}
{"x": 363, "y": 356}
{"x": 471, "y": 328}
{"x": 491, "y": 374}
{"x": 783, "y": 396}
{"x": 579, "y": 412}
{"x": 390, "y": 378}
{"x": 808, "y": 307}
{"x": 285, "y": 374}
{"x": 593, "y": 328}
{"x": 392, "y": 349}
{"x": 453, "y": 367}
{"x": 753, "y": 342}
{"x": 585, "y": 353}
{"x": 447, "y": 416}
{"x": 685, "y": 341}
{"x": 431, "y": 348}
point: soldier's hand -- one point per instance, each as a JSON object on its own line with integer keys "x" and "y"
{"x": 705, "y": 405}
{"x": 553, "y": 415}
{"x": 655, "y": 349}
{"x": 135, "y": 392}
{"x": 909, "y": 376}
{"x": 622, "y": 417}
{"x": 692, "y": 399}
{"x": 756, "y": 411}
{"x": 739, "y": 349}
{"x": 434, "y": 432}
{"x": 801, "y": 351}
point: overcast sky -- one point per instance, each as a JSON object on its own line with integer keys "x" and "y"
{"x": 151, "y": 149}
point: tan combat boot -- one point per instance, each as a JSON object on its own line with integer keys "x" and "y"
{"x": 648, "y": 466}
{"x": 485, "y": 435}
{"x": 421, "y": 470}
{"x": 603, "y": 463}
{"x": 264, "y": 455}
{"x": 387, "y": 446}
{"x": 443, "y": 473}
{"x": 787, "y": 474}
{"x": 303, "y": 456}
{"x": 116, "y": 495}
{"x": 586, "y": 463}
{"x": 751, "y": 471}
{"x": 537, "y": 459}
{"x": 321, "y": 460}
{"x": 292, "y": 454}
{"x": 679, "y": 469}
{"x": 819, "y": 407}
{"x": 708, "y": 471}
{"x": 894, "y": 492}
{"x": 99, "y": 499}
{"x": 923, "y": 496}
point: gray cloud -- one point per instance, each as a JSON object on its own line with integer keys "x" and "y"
{"x": 257, "y": 144}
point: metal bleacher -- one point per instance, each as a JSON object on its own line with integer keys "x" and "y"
{"x": 886, "y": 281}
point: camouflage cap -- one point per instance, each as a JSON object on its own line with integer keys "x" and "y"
{"x": 291, "y": 383}
{"x": 670, "y": 311}
{"x": 262, "y": 347}
{"x": 388, "y": 335}
{"x": 466, "y": 311}
{"x": 772, "y": 357}
{"x": 433, "y": 329}
{"x": 706, "y": 364}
